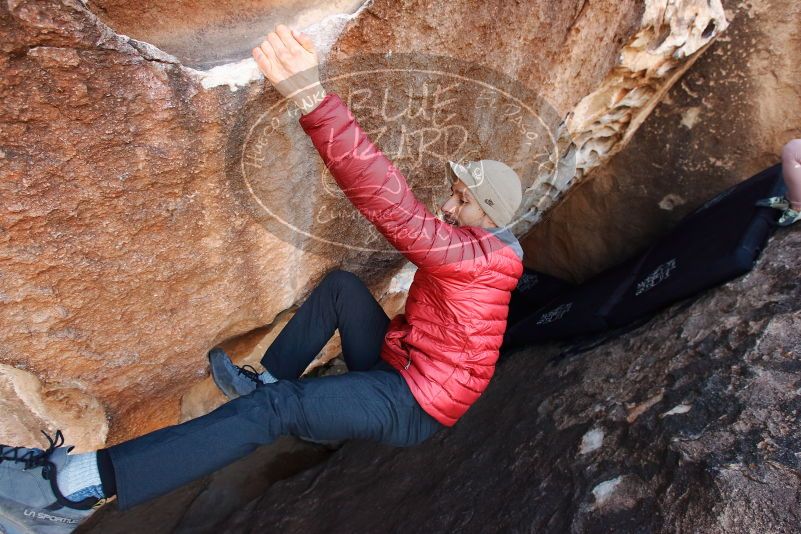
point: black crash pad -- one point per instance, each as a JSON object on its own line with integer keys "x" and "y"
{"x": 579, "y": 311}
{"x": 534, "y": 290}
{"x": 719, "y": 241}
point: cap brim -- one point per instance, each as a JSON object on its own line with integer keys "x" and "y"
{"x": 460, "y": 174}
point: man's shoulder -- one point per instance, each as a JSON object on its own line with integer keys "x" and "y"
{"x": 479, "y": 250}
{"x": 506, "y": 236}
{"x": 497, "y": 238}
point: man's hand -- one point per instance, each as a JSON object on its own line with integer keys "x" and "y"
{"x": 288, "y": 60}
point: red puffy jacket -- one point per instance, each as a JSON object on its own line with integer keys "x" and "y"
{"x": 447, "y": 342}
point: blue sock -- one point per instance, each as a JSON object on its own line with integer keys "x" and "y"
{"x": 89, "y": 491}
{"x": 267, "y": 378}
{"x": 80, "y": 478}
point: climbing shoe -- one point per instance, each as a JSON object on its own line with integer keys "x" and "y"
{"x": 789, "y": 215}
{"x": 777, "y": 203}
{"x": 233, "y": 381}
{"x": 30, "y": 501}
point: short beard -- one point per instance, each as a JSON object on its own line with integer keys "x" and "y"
{"x": 442, "y": 217}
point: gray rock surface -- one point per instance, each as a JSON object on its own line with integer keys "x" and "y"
{"x": 688, "y": 424}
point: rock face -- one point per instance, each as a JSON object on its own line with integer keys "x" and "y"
{"x": 144, "y": 202}
{"x": 601, "y": 67}
{"x": 727, "y": 119}
{"x": 208, "y": 33}
{"x": 688, "y": 424}
{"x": 62, "y": 406}
{"x": 126, "y": 252}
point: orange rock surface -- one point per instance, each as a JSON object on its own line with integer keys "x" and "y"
{"x": 132, "y": 236}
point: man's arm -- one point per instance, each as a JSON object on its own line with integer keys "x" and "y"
{"x": 375, "y": 187}
{"x": 380, "y": 191}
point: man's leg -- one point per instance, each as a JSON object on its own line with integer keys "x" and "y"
{"x": 791, "y": 165}
{"x": 340, "y": 301}
{"x": 374, "y": 405}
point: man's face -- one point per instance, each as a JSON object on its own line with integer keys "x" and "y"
{"x": 462, "y": 208}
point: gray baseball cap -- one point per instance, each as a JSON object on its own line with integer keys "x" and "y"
{"x": 494, "y": 184}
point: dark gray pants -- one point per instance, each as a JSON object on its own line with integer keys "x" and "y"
{"x": 371, "y": 402}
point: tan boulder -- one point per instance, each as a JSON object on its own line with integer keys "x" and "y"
{"x": 151, "y": 211}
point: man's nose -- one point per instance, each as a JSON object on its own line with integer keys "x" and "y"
{"x": 449, "y": 207}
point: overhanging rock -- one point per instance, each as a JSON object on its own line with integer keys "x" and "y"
{"x": 131, "y": 243}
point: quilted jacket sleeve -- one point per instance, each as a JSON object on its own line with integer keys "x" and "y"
{"x": 380, "y": 192}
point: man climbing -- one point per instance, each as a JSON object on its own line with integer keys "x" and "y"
{"x": 408, "y": 377}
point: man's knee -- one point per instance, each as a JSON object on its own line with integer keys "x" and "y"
{"x": 271, "y": 409}
{"x": 340, "y": 278}
{"x": 792, "y": 151}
